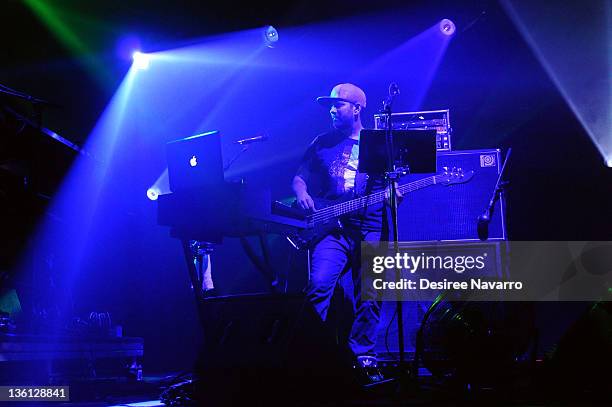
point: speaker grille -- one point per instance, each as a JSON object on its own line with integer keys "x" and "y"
{"x": 450, "y": 212}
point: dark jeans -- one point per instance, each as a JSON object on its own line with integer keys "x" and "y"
{"x": 332, "y": 258}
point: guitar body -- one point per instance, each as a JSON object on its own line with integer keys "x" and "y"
{"x": 307, "y": 238}
{"x": 315, "y": 230}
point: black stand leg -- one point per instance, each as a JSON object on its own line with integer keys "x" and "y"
{"x": 393, "y": 174}
{"x": 191, "y": 254}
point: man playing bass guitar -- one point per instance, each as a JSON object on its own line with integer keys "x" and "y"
{"x": 329, "y": 170}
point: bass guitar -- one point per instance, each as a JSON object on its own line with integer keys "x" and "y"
{"x": 326, "y": 217}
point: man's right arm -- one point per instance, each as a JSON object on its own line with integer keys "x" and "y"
{"x": 300, "y": 188}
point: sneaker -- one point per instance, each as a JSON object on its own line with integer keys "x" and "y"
{"x": 367, "y": 371}
{"x": 367, "y": 361}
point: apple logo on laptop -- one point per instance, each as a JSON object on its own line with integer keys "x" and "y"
{"x": 193, "y": 161}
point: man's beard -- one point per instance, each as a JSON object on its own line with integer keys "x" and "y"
{"x": 341, "y": 125}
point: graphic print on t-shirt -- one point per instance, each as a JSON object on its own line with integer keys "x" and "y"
{"x": 351, "y": 169}
{"x": 329, "y": 167}
{"x": 343, "y": 168}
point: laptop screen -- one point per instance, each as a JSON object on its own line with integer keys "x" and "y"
{"x": 195, "y": 162}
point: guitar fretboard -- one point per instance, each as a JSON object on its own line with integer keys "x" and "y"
{"x": 352, "y": 205}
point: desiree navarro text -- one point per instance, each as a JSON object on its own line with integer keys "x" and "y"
{"x": 425, "y": 284}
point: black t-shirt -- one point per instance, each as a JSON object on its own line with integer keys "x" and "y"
{"x": 329, "y": 168}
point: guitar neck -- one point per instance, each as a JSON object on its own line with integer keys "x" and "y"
{"x": 372, "y": 199}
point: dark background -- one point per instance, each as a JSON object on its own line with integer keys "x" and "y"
{"x": 498, "y": 94}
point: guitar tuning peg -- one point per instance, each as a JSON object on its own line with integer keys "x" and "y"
{"x": 445, "y": 169}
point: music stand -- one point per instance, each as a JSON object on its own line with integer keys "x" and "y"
{"x": 393, "y": 153}
{"x": 414, "y": 150}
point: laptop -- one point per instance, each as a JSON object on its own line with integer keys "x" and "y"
{"x": 195, "y": 162}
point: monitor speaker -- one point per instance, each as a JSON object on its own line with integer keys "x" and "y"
{"x": 450, "y": 212}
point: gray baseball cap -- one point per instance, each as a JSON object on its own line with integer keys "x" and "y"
{"x": 344, "y": 92}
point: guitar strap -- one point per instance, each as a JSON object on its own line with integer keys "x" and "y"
{"x": 361, "y": 182}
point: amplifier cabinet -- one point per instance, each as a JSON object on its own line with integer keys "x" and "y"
{"x": 450, "y": 212}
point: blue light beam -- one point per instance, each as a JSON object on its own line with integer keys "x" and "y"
{"x": 572, "y": 41}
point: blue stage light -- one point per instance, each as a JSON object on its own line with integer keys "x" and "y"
{"x": 160, "y": 187}
{"x": 141, "y": 61}
{"x": 153, "y": 193}
{"x": 447, "y": 27}
{"x": 270, "y": 36}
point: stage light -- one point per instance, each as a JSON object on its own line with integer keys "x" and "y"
{"x": 447, "y": 27}
{"x": 141, "y": 61}
{"x": 153, "y": 193}
{"x": 609, "y": 162}
{"x": 159, "y": 187}
{"x": 270, "y": 36}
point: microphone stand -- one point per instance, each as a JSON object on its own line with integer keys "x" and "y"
{"x": 245, "y": 146}
{"x": 392, "y": 175}
{"x": 485, "y": 218}
{"x": 235, "y": 157}
{"x": 37, "y": 104}
{"x": 5, "y": 90}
